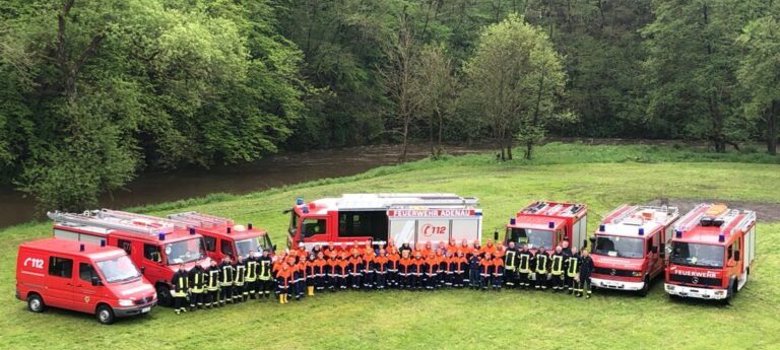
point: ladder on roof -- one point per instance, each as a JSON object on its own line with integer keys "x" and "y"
{"x": 193, "y": 218}
{"x": 95, "y": 219}
{"x": 124, "y": 215}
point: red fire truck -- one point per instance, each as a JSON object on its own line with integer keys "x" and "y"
{"x": 712, "y": 253}
{"x": 224, "y": 238}
{"x": 157, "y": 246}
{"x": 547, "y": 224}
{"x": 629, "y": 247}
{"x": 401, "y": 217}
{"x": 82, "y": 277}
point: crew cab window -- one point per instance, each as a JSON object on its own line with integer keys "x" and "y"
{"x": 86, "y": 272}
{"x": 226, "y": 247}
{"x": 60, "y": 267}
{"x": 733, "y": 251}
{"x": 152, "y": 252}
{"x": 363, "y": 223}
{"x": 126, "y": 245}
{"x": 648, "y": 246}
{"x": 211, "y": 243}
{"x": 312, "y": 227}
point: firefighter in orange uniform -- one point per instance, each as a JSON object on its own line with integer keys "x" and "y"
{"x": 392, "y": 267}
{"x": 486, "y": 271}
{"x": 310, "y": 273}
{"x": 355, "y": 268}
{"x": 319, "y": 271}
{"x": 419, "y": 271}
{"x": 461, "y": 271}
{"x": 431, "y": 269}
{"x": 368, "y": 267}
{"x": 498, "y": 272}
{"x": 380, "y": 269}
{"x": 406, "y": 270}
{"x": 450, "y": 263}
{"x": 283, "y": 279}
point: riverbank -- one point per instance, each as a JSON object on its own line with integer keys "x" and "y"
{"x": 601, "y": 176}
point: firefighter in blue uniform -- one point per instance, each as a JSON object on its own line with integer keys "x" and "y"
{"x": 586, "y": 268}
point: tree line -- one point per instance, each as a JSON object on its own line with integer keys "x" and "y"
{"x": 95, "y": 92}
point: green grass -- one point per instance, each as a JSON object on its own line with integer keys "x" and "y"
{"x": 601, "y": 176}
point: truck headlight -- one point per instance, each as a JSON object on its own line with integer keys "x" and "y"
{"x": 125, "y": 302}
{"x": 636, "y": 273}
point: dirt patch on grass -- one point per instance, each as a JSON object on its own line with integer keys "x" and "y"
{"x": 767, "y": 212}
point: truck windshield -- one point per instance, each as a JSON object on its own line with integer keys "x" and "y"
{"x": 118, "y": 269}
{"x": 624, "y": 247}
{"x": 184, "y": 251}
{"x": 247, "y": 246}
{"x": 693, "y": 254}
{"x": 533, "y": 237}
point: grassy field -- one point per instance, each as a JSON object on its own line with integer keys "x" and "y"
{"x": 601, "y": 176}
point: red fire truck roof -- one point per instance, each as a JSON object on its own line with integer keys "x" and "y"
{"x": 64, "y": 246}
{"x": 537, "y": 222}
{"x": 713, "y": 224}
{"x": 216, "y": 225}
{"x": 636, "y": 221}
{"x": 384, "y": 201}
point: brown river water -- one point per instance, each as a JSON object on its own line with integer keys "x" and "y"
{"x": 275, "y": 170}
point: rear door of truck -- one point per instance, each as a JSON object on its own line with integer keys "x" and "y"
{"x": 59, "y": 281}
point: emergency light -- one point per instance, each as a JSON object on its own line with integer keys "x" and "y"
{"x": 161, "y": 236}
{"x": 249, "y": 226}
{"x": 679, "y": 233}
{"x": 102, "y": 242}
{"x": 512, "y": 221}
{"x": 641, "y": 231}
{"x": 228, "y": 230}
{"x": 305, "y": 210}
{"x": 192, "y": 230}
{"x": 299, "y": 201}
{"x": 721, "y": 238}
{"x": 81, "y": 247}
{"x": 601, "y": 228}
{"x": 550, "y": 224}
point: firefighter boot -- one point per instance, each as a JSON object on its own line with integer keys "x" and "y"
{"x": 310, "y": 290}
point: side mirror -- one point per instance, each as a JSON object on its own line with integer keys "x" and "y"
{"x": 143, "y": 269}
{"x": 495, "y": 235}
{"x": 654, "y": 250}
{"x": 273, "y": 248}
{"x": 96, "y": 281}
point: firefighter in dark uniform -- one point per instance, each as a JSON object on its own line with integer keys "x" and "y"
{"x": 557, "y": 260}
{"x": 181, "y": 286}
{"x": 197, "y": 287}
{"x": 310, "y": 274}
{"x": 212, "y": 285}
{"x": 239, "y": 279}
{"x": 461, "y": 270}
{"x": 226, "y": 283}
{"x": 264, "y": 274}
{"x": 474, "y": 278}
{"x": 541, "y": 268}
{"x": 319, "y": 271}
{"x": 380, "y": 269}
{"x": 572, "y": 270}
{"x": 510, "y": 265}
{"x": 251, "y": 275}
{"x": 524, "y": 266}
{"x": 586, "y": 268}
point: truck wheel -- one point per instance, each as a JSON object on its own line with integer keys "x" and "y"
{"x": 35, "y": 303}
{"x": 104, "y": 314}
{"x": 646, "y": 288}
{"x": 730, "y": 293}
{"x": 164, "y": 295}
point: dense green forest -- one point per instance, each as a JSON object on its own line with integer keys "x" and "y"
{"x": 95, "y": 92}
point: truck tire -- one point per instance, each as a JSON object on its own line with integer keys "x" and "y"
{"x": 164, "y": 295}
{"x": 35, "y": 303}
{"x": 104, "y": 314}
{"x": 646, "y": 288}
{"x": 730, "y": 293}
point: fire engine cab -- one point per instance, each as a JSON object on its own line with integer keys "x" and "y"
{"x": 157, "y": 246}
{"x": 712, "y": 252}
{"x": 83, "y": 277}
{"x": 400, "y": 217}
{"x": 629, "y": 247}
{"x": 222, "y": 237}
{"x": 547, "y": 224}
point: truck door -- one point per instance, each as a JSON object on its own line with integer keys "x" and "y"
{"x": 314, "y": 230}
{"x": 656, "y": 263}
{"x": 85, "y": 294}
{"x": 59, "y": 282}
{"x": 152, "y": 263}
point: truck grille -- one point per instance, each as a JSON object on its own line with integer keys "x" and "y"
{"x": 702, "y": 281}
{"x": 613, "y": 272}
{"x": 143, "y": 300}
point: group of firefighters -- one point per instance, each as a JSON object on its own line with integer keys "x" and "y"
{"x": 231, "y": 281}
{"x": 297, "y": 273}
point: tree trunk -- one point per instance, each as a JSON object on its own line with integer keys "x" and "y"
{"x": 430, "y": 139}
{"x": 406, "y": 140}
{"x": 509, "y": 148}
{"x": 771, "y": 128}
{"x": 528, "y": 148}
{"x": 439, "y": 150}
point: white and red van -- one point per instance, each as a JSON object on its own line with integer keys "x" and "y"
{"x": 83, "y": 277}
